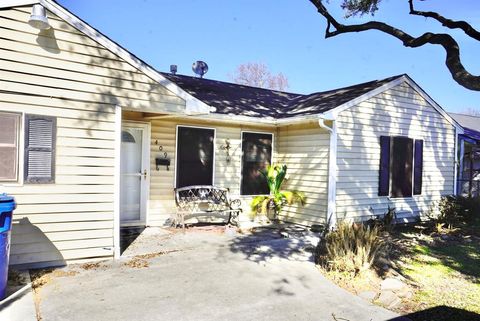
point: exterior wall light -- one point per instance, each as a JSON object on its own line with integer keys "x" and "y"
{"x": 38, "y": 19}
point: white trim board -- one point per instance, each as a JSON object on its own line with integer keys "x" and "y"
{"x": 116, "y": 193}
{"x": 193, "y": 105}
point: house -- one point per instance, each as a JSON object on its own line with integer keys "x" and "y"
{"x": 469, "y": 148}
{"x": 94, "y": 139}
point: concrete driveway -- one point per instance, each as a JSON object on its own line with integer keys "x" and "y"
{"x": 205, "y": 275}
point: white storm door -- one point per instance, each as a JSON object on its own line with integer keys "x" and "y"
{"x": 134, "y": 170}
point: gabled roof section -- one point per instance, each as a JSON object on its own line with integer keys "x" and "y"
{"x": 332, "y": 114}
{"x": 467, "y": 121}
{"x": 193, "y": 105}
{"x": 322, "y": 102}
{"x": 235, "y": 99}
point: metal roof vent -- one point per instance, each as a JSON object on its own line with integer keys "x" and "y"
{"x": 38, "y": 19}
{"x": 173, "y": 69}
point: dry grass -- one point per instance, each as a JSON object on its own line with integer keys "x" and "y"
{"x": 351, "y": 248}
{"x": 15, "y": 278}
{"x": 441, "y": 266}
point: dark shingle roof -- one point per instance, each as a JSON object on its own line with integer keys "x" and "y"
{"x": 229, "y": 98}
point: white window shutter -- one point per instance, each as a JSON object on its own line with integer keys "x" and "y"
{"x": 40, "y": 134}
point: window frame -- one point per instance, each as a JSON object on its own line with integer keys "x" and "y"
{"x": 214, "y": 150}
{"x": 19, "y": 181}
{"x": 414, "y": 140}
{"x": 241, "y": 159}
{"x": 392, "y": 139}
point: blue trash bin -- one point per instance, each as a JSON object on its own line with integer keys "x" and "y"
{"x": 7, "y": 205}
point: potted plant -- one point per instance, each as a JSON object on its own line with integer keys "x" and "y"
{"x": 274, "y": 202}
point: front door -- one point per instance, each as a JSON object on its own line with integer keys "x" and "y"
{"x": 134, "y": 167}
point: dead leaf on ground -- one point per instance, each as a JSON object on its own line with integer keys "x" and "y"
{"x": 136, "y": 263}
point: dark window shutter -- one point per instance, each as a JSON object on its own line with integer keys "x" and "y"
{"x": 418, "y": 167}
{"x": 40, "y": 134}
{"x": 384, "y": 175}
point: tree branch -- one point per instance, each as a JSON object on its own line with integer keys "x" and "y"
{"x": 451, "y": 24}
{"x": 451, "y": 47}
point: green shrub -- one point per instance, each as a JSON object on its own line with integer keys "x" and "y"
{"x": 454, "y": 210}
{"x": 350, "y": 248}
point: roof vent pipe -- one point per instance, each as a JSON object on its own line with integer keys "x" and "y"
{"x": 38, "y": 19}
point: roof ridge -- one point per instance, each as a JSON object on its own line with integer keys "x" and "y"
{"x": 391, "y": 78}
{"x": 234, "y": 84}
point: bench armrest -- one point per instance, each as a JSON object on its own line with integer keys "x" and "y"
{"x": 236, "y": 204}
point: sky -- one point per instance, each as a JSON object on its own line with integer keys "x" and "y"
{"x": 288, "y": 36}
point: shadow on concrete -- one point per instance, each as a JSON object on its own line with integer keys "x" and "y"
{"x": 284, "y": 241}
{"x": 128, "y": 235}
{"x": 440, "y": 313}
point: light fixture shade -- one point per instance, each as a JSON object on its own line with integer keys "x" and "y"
{"x": 38, "y": 19}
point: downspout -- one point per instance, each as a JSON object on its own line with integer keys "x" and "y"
{"x": 332, "y": 171}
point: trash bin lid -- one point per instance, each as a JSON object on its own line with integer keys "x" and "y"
{"x": 4, "y": 198}
{"x": 7, "y": 203}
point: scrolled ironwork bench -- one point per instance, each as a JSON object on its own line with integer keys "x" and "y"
{"x": 205, "y": 200}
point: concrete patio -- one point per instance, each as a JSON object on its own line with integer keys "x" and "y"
{"x": 205, "y": 274}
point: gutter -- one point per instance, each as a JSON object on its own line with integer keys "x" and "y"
{"x": 332, "y": 170}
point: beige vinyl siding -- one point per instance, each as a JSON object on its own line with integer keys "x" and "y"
{"x": 400, "y": 111}
{"x": 62, "y": 73}
{"x": 161, "y": 201}
{"x": 305, "y": 149}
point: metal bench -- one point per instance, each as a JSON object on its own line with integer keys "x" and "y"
{"x": 204, "y": 200}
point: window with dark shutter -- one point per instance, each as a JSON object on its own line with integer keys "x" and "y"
{"x": 40, "y": 135}
{"x": 384, "y": 177}
{"x": 401, "y": 166}
{"x": 9, "y": 131}
{"x": 256, "y": 156}
{"x": 418, "y": 167}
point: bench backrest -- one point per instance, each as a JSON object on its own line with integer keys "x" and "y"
{"x": 202, "y": 198}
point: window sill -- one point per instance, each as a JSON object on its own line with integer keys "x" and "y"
{"x": 253, "y": 195}
{"x": 13, "y": 184}
{"x": 403, "y": 198}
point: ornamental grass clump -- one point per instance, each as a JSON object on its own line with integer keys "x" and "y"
{"x": 350, "y": 248}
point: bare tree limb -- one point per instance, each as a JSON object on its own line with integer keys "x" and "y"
{"x": 450, "y": 45}
{"x": 451, "y": 24}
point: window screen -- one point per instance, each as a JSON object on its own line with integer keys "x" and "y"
{"x": 9, "y": 131}
{"x": 195, "y": 148}
{"x": 40, "y": 134}
{"x": 257, "y": 155}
